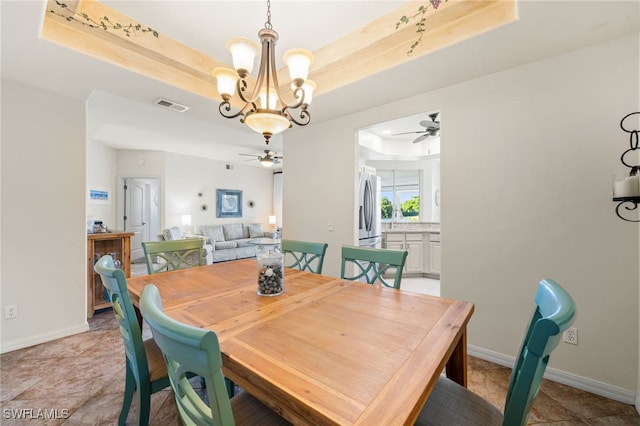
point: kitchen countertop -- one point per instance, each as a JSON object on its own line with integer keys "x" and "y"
{"x": 411, "y": 228}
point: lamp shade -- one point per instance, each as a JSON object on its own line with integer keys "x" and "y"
{"x": 267, "y": 122}
{"x": 266, "y": 162}
{"x": 186, "y": 220}
{"x": 268, "y": 102}
{"x": 298, "y": 61}
{"x": 226, "y": 80}
{"x": 309, "y": 86}
{"x": 272, "y": 220}
{"x": 243, "y": 53}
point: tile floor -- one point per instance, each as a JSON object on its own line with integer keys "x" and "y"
{"x": 82, "y": 377}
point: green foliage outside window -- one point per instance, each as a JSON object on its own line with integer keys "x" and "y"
{"x": 386, "y": 207}
{"x": 411, "y": 207}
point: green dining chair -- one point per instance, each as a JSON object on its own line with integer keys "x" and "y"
{"x": 304, "y": 255}
{"x": 187, "y": 349}
{"x": 372, "y": 264}
{"x": 146, "y": 372}
{"x": 451, "y": 404}
{"x": 173, "y": 254}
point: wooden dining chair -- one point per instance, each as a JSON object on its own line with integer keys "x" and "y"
{"x": 372, "y": 264}
{"x": 451, "y": 404}
{"x": 146, "y": 372}
{"x": 304, "y": 255}
{"x": 189, "y": 349}
{"x": 173, "y": 254}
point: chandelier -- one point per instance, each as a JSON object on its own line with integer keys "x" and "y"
{"x": 265, "y": 110}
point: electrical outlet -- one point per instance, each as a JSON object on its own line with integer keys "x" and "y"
{"x": 10, "y": 311}
{"x": 570, "y": 335}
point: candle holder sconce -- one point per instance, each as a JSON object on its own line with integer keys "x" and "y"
{"x": 626, "y": 188}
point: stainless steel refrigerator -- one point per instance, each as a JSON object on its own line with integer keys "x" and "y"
{"x": 370, "y": 216}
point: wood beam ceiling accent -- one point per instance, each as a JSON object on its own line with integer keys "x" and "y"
{"x": 371, "y": 49}
{"x": 378, "y": 45}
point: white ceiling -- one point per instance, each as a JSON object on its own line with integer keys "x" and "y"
{"x": 121, "y": 113}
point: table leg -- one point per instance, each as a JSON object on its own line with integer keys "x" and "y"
{"x": 457, "y": 364}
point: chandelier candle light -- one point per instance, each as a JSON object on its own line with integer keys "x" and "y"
{"x": 265, "y": 111}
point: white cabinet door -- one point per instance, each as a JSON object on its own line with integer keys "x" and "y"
{"x": 434, "y": 253}
{"x": 413, "y": 244}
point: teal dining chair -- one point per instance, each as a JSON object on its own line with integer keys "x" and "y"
{"x": 372, "y": 264}
{"x": 173, "y": 254}
{"x": 304, "y": 255}
{"x": 146, "y": 372}
{"x": 451, "y": 404}
{"x": 187, "y": 349}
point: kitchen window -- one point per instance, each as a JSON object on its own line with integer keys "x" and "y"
{"x": 400, "y": 195}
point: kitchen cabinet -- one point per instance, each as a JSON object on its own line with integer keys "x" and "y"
{"x": 434, "y": 253}
{"x": 412, "y": 243}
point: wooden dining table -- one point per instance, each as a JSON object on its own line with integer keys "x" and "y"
{"x": 327, "y": 351}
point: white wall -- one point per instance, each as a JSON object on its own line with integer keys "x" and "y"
{"x": 182, "y": 177}
{"x": 187, "y": 176}
{"x": 101, "y": 173}
{"x": 527, "y": 200}
{"x": 43, "y": 215}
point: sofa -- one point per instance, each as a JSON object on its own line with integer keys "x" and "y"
{"x": 229, "y": 241}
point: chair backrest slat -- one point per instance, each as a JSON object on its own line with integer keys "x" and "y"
{"x": 187, "y": 350}
{"x": 173, "y": 254}
{"x": 554, "y": 313}
{"x": 115, "y": 283}
{"x": 304, "y": 255}
{"x": 372, "y": 264}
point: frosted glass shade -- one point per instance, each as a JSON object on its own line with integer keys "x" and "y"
{"x": 298, "y": 61}
{"x": 266, "y": 162}
{"x": 266, "y": 122}
{"x": 243, "y": 53}
{"x": 273, "y": 99}
{"x": 309, "y": 86}
{"x": 226, "y": 80}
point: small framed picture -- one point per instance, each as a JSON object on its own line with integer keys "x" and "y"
{"x": 99, "y": 195}
{"x": 229, "y": 203}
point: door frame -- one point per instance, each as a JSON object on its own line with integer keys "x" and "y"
{"x": 155, "y": 204}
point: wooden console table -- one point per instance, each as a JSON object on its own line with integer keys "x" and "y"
{"x": 98, "y": 245}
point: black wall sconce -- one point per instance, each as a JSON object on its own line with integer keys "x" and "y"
{"x": 626, "y": 187}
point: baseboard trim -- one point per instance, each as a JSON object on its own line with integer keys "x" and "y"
{"x": 43, "y": 338}
{"x": 593, "y": 386}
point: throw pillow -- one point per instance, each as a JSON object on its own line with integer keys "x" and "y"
{"x": 255, "y": 230}
{"x": 172, "y": 233}
{"x": 232, "y": 231}
{"x": 213, "y": 234}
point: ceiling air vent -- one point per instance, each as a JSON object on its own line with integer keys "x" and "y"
{"x": 164, "y": 103}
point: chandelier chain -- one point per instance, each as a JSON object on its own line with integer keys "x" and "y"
{"x": 267, "y": 24}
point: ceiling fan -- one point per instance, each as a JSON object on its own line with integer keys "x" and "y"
{"x": 268, "y": 159}
{"x": 431, "y": 128}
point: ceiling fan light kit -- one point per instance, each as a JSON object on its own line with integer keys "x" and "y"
{"x": 265, "y": 111}
{"x": 269, "y": 159}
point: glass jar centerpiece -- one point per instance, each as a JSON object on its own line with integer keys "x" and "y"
{"x": 270, "y": 272}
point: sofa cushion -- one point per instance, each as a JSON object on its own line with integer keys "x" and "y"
{"x": 233, "y": 231}
{"x": 173, "y": 233}
{"x": 255, "y": 230}
{"x": 225, "y": 245}
{"x": 245, "y": 242}
{"x": 213, "y": 233}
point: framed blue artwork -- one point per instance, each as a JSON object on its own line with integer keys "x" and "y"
{"x": 229, "y": 203}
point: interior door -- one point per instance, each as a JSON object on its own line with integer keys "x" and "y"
{"x": 136, "y": 214}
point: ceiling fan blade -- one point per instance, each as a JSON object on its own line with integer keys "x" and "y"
{"x": 407, "y": 133}
{"x": 430, "y": 124}
{"x": 421, "y": 138}
{"x": 250, "y": 155}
